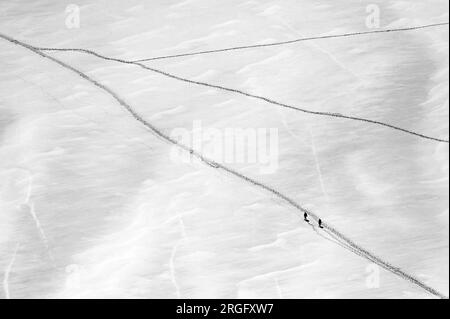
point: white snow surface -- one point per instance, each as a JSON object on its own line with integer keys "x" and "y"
{"x": 92, "y": 206}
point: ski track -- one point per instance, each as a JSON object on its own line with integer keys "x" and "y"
{"x": 319, "y": 170}
{"x": 8, "y": 272}
{"x": 277, "y": 285}
{"x": 40, "y": 230}
{"x": 364, "y": 253}
{"x": 243, "y": 93}
{"x": 32, "y": 211}
{"x": 172, "y": 270}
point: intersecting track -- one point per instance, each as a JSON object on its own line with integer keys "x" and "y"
{"x": 344, "y": 240}
{"x": 250, "y": 95}
{"x": 255, "y": 46}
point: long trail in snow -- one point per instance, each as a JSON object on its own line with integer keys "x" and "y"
{"x": 250, "y": 95}
{"x": 359, "y": 250}
{"x": 272, "y": 44}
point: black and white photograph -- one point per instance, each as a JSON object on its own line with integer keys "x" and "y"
{"x": 232, "y": 150}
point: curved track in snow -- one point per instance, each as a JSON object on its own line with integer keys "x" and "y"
{"x": 250, "y": 95}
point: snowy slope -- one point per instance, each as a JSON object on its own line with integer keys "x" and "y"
{"x": 92, "y": 204}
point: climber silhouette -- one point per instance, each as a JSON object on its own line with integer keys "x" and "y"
{"x": 305, "y": 216}
{"x": 320, "y": 223}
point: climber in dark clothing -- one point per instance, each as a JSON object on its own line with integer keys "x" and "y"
{"x": 305, "y": 216}
{"x": 320, "y": 223}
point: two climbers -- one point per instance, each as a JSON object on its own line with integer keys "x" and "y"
{"x": 305, "y": 217}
